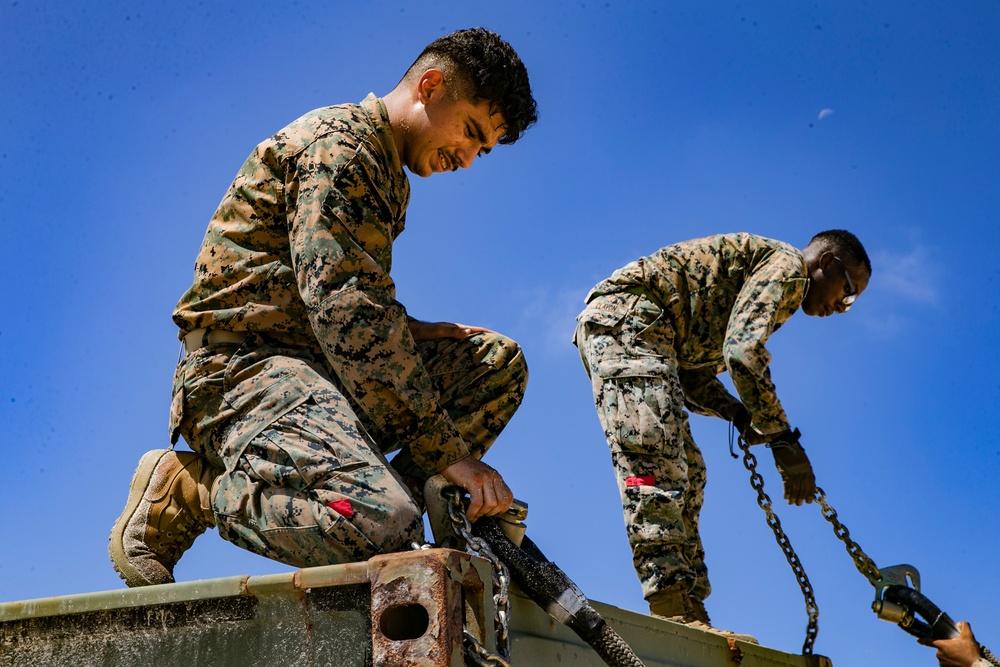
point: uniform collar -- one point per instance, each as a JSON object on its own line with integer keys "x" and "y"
{"x": 379, "y": 117}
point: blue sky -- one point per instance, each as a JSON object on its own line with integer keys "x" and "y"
{"x": 123, "y": 124}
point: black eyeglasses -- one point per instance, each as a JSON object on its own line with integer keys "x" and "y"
{"x": 850, "y": 293}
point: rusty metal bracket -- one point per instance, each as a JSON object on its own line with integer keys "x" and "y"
{"x": 421, "y": 601}
{"x": 735, "y": 654}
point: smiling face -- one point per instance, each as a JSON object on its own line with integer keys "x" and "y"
{"x": 445, "y": 131}
{"x": 831, "y": 283}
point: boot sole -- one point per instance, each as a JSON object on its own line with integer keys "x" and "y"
{"x": 116, "y": 546}
{"x": 728, "y": 634}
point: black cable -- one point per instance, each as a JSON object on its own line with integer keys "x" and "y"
{"x": 553, "y": 591}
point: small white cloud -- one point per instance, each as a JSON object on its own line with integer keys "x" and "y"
{"x": 823, "y": 113}
{"x": 552, "y": 313}
{"x": 886, "y": 326}
{"x": 911, "y": 276}
{"x": 905, "y": 281}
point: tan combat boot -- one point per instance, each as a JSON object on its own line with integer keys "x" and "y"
{"x": 168, "y": 507}
{"x": 675, "y": 605}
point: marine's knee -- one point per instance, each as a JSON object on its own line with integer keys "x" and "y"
{"x": 397, "y": 528}
{"x": 492, "y": 348}
{"x": 505, "y": 357}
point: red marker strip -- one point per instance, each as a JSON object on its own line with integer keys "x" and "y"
{"x": 342, "y": 507}
{"x": 642, "y": 480}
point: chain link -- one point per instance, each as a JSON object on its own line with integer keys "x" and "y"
{"x": 501, "y": 586}
{"x": 988, "y": 656}
{"x": 866, "y": 566}
{"x": 757, "y": 482}
{"x": 476, "y": 653}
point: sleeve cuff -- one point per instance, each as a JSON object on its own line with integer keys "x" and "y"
{"x": 770, "y": 424}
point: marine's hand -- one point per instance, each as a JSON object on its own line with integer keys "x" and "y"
{"x": 432, "y": 330}
{"x": 489, "y": 495}
{"x": 961, "y": 651}
{"x": 796, "y": 472}
{"x": 740, "y": 417}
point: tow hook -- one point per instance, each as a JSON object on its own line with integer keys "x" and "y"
{"x": 898, "y": 600}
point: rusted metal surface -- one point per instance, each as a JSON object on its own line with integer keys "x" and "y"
{"x": 735, "y": 653}
{"x": 419, "y": 604}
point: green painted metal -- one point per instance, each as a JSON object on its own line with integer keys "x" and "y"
{"x": 317, "y": 617}
{"x": 538, "y": 640}
{"x": 216, "y": 622}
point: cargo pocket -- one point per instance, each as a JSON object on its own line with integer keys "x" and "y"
{"x": 648, "y": 455}
{"x": 598, "y": 339}
{"x": 646, "y": 331}
{"x": 642, "y": 416}
{"x": 603, "y": 317}
{"x": 308, "y": 447}
{"x": 654, "y": 514}
{"x": 303, "y": 482}
{"x": 257, "y": 403}
{"x": 297, "y": 528}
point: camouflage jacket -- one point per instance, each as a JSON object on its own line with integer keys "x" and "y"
{"x": 724, "y": 295}
{"x": 300, "y": 250}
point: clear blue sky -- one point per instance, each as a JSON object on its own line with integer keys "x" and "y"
{"x": 122, "y": 124}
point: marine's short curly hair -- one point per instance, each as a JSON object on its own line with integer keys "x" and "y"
{"x": 487, "y": 68}
{"x": 846, "y": 246}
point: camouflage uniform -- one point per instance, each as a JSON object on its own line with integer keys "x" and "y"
{"x": 327, "y": 378}
{"x": 653, "y": 338}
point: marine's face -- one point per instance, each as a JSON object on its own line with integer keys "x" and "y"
{"x": 450, "y": 132}
{"x": 832, "y": 283}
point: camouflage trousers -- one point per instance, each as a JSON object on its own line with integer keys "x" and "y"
{"x": 304, "y": 481}
{"x": 659, "y": 468}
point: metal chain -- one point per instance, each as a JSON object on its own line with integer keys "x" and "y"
{"x": 988, "y": 656}
{"x": 476, "y": 653}
{"x": 866, "y": 566}
{"x": 501, "y": 587}
{"x": 757, "y": 482}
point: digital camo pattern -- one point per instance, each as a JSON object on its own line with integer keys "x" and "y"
{"x": 300, "y": 249}
{"x": 329, "y": 378}
{"x": 653, "y": 338}
{"x": 723, "y": 298}
{"x": 304, "y": 481}
{"x": 659, "y": 468}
